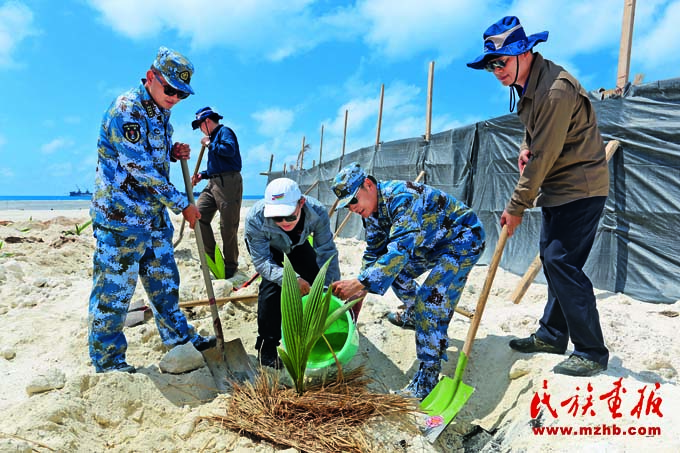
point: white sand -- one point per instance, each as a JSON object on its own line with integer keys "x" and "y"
{"x": 44, "y": 288}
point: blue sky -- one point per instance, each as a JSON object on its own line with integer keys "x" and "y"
{"x": 279, "y": 70}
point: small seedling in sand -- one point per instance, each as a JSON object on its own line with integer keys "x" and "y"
{"x": 217, "y": 266}
{"x": 302, "y": 326}
{"x": 78, "y": 228}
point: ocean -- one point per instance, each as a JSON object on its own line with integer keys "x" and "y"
{"x": 49, "y": 202}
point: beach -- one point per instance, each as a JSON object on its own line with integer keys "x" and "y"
{"x": 52, "y": 400}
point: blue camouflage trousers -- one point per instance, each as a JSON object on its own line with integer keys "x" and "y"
{"x": 432, "y": 304}
{"x": 119, "y": 259}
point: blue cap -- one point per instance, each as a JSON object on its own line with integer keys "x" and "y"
{"x": 175, "y": 68}
{"x": 506, "y": 38}
{"x": 202, "y": 114}
{"x": 346, "y": 183}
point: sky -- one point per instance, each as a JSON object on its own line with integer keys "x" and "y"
{"x": 280, "y": 70}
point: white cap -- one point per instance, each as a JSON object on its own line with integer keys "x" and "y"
{"x": 281, "y": 197}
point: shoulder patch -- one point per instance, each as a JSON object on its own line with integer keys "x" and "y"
{"x": 149, "y": 107}
{"x": 131, "y": 132}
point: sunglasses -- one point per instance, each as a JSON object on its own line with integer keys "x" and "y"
{"x": 169, "y": 90}
{"x": 287, "y": 218}
{"x": 496, "y": 64}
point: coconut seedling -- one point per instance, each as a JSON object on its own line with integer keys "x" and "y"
{"x": 303, "y": 325}
{"x": 216, "y": 266}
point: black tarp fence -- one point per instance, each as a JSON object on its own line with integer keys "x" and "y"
{"x": 636, "y": 251}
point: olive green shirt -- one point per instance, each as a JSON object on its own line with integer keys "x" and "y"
{"x": 568, "y": 159}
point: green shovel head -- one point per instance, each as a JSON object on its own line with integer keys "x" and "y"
{"x": 445, "y": 401}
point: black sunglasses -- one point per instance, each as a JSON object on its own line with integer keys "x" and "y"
{"x": 286, "y": 218}
{"x": 495, "y": 64}
{"x": 170, "y": 90}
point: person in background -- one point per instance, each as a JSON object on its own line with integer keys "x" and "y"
{"x": 225, "y": 187}
{"x": 563, "y": 169}
{"x": 129, "y": 214}
{"x": 412, "y": 229}
{"x": 279, "y": 224}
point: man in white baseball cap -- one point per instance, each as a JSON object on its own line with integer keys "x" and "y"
{"x": 280, "y": 224}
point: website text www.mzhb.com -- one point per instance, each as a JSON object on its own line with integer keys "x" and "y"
{"x": 599, "y": 430}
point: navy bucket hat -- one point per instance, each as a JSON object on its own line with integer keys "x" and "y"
{"x": 506, "y": 38}
{"x": 202, "y": 114}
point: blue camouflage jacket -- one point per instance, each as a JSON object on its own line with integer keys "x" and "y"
{"x": 223, "y": 152}
{"x": 132, "y": 185}
{"x": 262, "y": 233}
{"x": 414, "y": 222}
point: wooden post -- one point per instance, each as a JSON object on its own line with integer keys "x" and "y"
{"x": 382, "y": 96}
{"x": 428, "y": 122}
{"x": 626, "y": 42}
{"x": 535, "y": 265}
{"x": 321, "y": 145}
{"x": 302, "y": 153}
{"x": 344, "y": 138}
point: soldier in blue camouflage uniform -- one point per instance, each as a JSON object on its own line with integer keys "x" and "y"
{"x": 129, "y": 215}
{"x": 411, "y": 229}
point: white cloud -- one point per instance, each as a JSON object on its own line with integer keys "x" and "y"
{"x": 57, "y": 144}
{"x": 16, "y": 24}
{"x": 271, "y": 28}
{"x": 273, "y": 121}
{"x": 6, "y": 172}
{"x": 655, "y": 39}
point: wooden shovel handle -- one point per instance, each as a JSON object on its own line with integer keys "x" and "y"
{"x": 488, "y": 282}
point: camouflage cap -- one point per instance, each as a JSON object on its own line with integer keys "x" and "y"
{"x": 176, "y": 69}
{"x": 346, "y": 183}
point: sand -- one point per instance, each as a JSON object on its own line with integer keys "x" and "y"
{"x": 51, "y": 399}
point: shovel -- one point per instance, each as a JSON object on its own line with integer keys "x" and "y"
{"x": 233, "y": 353}
{"x": 450, "y": 395}
{"x": 189, "y": 188}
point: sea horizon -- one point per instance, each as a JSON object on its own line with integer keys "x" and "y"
{"x": 66, "y": 202}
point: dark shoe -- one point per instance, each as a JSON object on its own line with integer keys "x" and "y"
{"x": 423, "y": 382}
{"x": 229, "y": 273}
{"x": 577, "y": 365}
{"x": 205, "y": 343}
{"x": 268, "y": 356}
{"x": 122, "y": 367}
{"x": 535, "y": 344}
{"x": 401, "y": 320}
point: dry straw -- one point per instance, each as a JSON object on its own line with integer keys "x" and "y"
{"x": 324, "y": 419}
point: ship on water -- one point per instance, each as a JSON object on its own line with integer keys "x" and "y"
{"x": 80, "y": 193}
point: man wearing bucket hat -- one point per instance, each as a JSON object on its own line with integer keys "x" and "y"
{"x": 130, "y": 218}
{"x": 563, "y": 170}
{"x": 225, "y": 186}
{"x": 279, "y": 224}
{"x": 412, "y": 229}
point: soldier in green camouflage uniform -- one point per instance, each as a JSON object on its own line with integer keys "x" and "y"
{"x": 411, "y": 229}
{"x": 130, "y": 218}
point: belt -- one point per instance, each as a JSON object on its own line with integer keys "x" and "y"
{"x": 224, "y": 173}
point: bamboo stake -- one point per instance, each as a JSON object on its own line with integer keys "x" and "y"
{"x": 344, "y": 138}
{"x": 218, "y": 301}
{"x": 626, "y": 42}
{"x": 382, "y": 96}
{"x": 428, "y": 122}
{"x": 536, "y": 265}
{"x": 321, "y": 146}
{"x": 302, "y": 152}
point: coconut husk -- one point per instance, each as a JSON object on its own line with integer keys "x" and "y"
{"x": 326, "y": 418}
